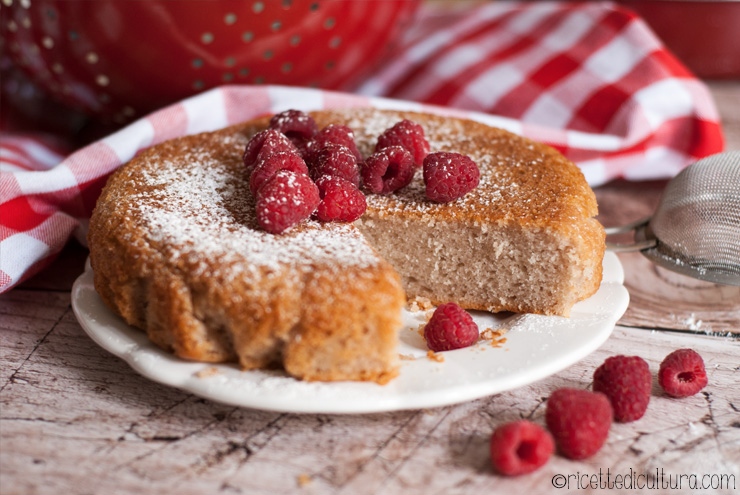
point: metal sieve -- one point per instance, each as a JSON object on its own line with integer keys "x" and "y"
{"x": 695, "y": 229}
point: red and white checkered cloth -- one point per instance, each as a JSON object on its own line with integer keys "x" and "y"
{"x": 588, "y": 78}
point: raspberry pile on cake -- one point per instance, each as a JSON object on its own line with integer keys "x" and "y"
{"x": 296, "y": 171}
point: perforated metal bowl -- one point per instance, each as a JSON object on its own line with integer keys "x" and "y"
{"x": 119, "y": 59}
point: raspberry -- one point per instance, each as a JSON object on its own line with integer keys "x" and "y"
{"x": 267, "y": 167}
{"x": 338, "y": 161}
{"x": 626, "y": 381}
{"x": 408, "y": 135}
{"x": 285, "y": 200}
{"x": 388, "y": 170}
{"x": 579, "y": 421}
{"x": 449, "y": 176}
{"x": 298, "y": 126}
{"x": 264, "y": 143}
{"x": 450, "y": 327}
{"x": 333, "y": 133}
{"x": 341, "y": 201}
{"x": 682, "y": 373}
{"x": 520, "y": 447}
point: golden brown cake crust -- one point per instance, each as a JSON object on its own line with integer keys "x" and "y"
{"x": 176, "y": 251}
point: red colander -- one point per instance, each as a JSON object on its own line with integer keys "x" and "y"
{"x": 116, "y": 60}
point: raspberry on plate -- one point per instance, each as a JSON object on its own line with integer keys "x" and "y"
{"x": 341, "y": 201}
{"x": 285, "y": 200}
{"x": 682, "y": 373}
{"x": 269, "y": 165}
{"x": 627, "y": 382}
{"x": 298, "y": 126}
{"x": 336, "y": 160}
{"x": 264, "y": 143}
{"x": 408, "y": 135}
{"x": 520, "y": 447}
{"x": 450, "y": 327}
{"x": 579, "y": 421}
{"x": 388, "y": 170}
{"x": 449, "y": 176}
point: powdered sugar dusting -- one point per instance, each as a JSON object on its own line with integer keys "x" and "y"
{"x": 197, "y": 207}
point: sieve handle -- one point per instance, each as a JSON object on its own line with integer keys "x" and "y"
{"x": 638, "y": 225}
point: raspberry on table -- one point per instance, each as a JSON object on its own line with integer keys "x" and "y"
{"x": 408, "y": 135}
{"x": 264, "y": 143}
{"x": 298, "y": 126}
{"x": 285, "y": 200}
{"x": 449, "y": 176}
{"x": 627, "y": 382}
{"x": 336, "y": 134}
{"x": 388, "y": 170}
{"x": 450, "y": 327}
{"x": 579, "y": 421}
{"x": 336, "y": 160}
{"x": 520, "y": 447}
{"x": 341, "y": 201}
{"x": 269, "y": 165}
{"x": 682, "y": 373}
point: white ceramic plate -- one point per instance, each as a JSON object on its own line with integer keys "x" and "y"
{"x": 535, "y": 347}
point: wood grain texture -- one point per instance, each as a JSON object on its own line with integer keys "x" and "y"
{"x": 77, "y": 420}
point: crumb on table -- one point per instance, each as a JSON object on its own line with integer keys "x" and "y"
{"x": 303, "y": 479}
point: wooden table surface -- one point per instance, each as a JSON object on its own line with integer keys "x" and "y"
{"x": 77, "y": 420}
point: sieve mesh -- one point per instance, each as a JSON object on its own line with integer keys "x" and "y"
{"x": 697, "y": 223}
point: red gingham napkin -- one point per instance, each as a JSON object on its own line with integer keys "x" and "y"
{"x": 589, "y": 79}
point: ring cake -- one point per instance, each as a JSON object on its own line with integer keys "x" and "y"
{"x": 176, "y": 250}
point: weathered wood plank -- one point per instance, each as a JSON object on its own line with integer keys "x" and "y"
{"x": 77, "y": 420}
{"x": 25, "y": 320}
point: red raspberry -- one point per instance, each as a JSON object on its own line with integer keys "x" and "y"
{"x": 333, "y": 133}
{"x": 388, "y": 170}
{"x": 450, "y": 327}
{"x": 262, "y": 144}
{"x": 449, "y": 176}
{"x": 520, "y": 447}
{"x": 579, "y": 421}
{"x": 626, "y": 381}
{"x": 406, "y": 134}
{"x": 341, "y": 201}
{"x": 338, "y": 161}
{"x": 298, "y": 126}
{"x": 682, "y": 373}
{"x": 285, "y": 200}
{"x": 268, "y": 166}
